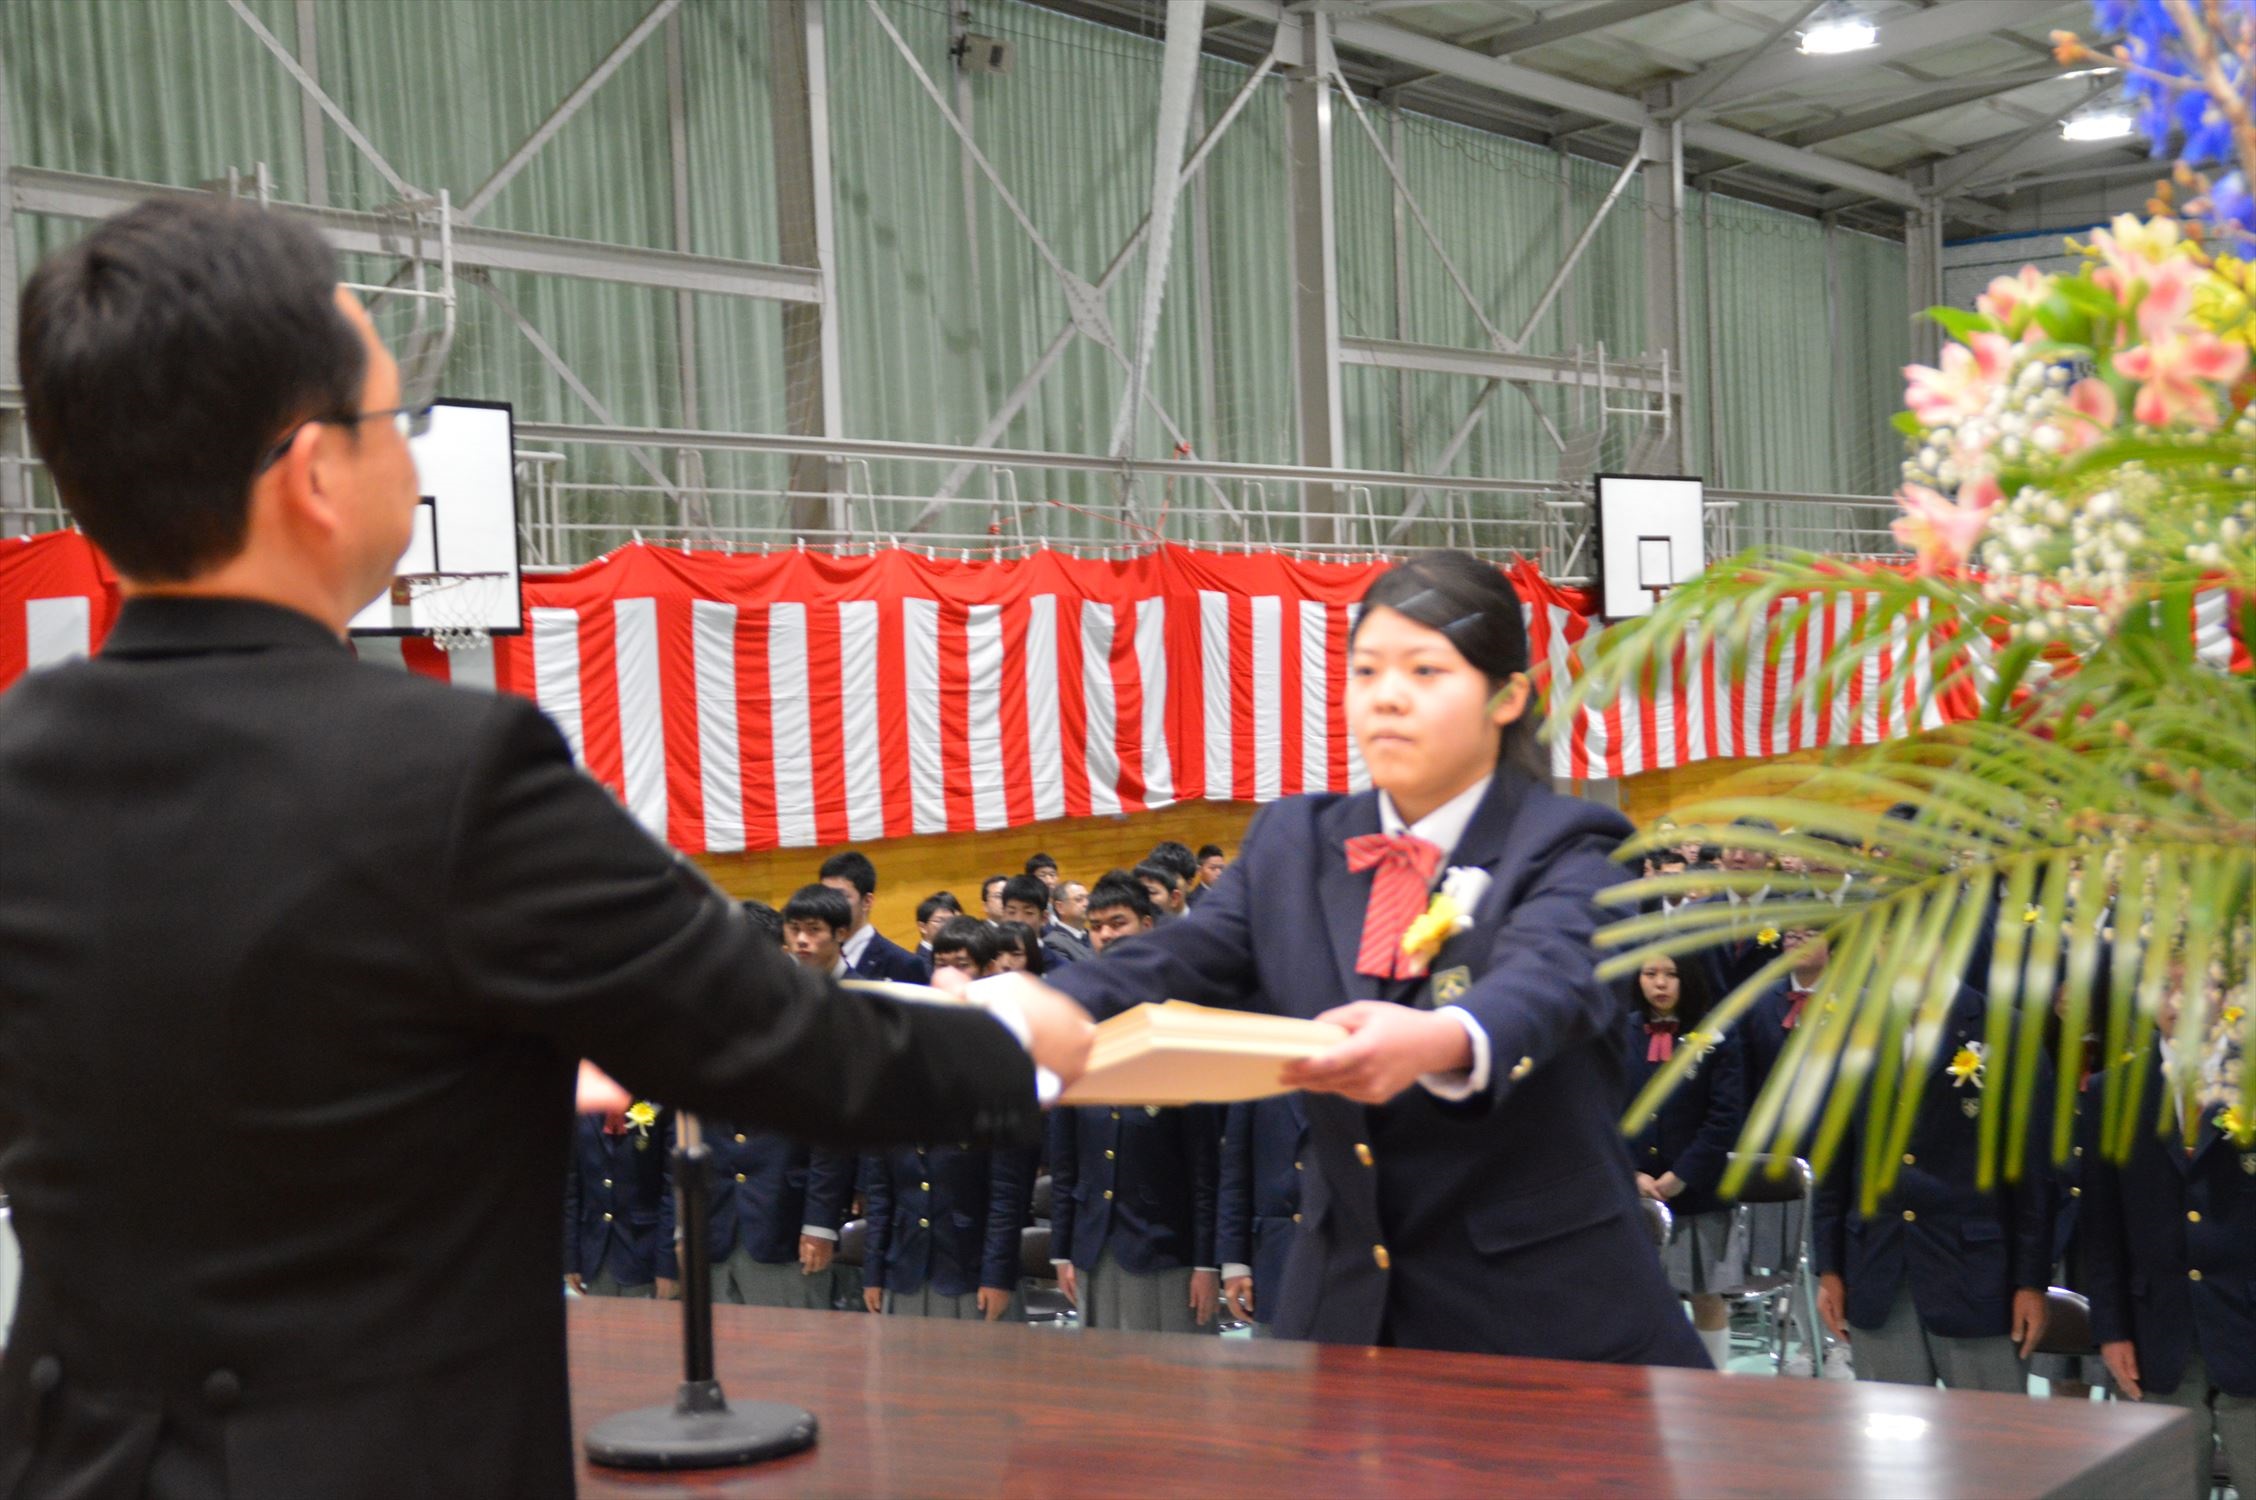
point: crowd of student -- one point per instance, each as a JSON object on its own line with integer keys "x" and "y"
{"x": 1179, "y": 1219}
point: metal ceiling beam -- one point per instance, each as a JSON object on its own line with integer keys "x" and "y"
{"x": 2038, "y": 153}
{"x": 1495, "y": 364}
{"x": 1901, "y": 38}
{"x": 1689, "y": 93}
{"x": 1956, "y": 172}
{"x": 1511, "y": 36}
{"x": 1896, "y": 111}
{"x": 1722, "y": 140}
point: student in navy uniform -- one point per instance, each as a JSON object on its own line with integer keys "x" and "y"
{"x": 933, "y": 913}
{"x": 1027, "y": 900}
{"x": 1257, "y": 1214}
{"x": 1680, "y": 1152}
{"x": 1178, "y": 860}
{"x": 1213, "y": 860}
{"x": 869, "y": 954}
{"x": 944, "y": 1226}
{"x": 1163, "y": 889}
{"x": 969, "y": 946}
{"x": 2169, "y": 1240}
{"x": 775, "y": 1208}
{"x": 1042, "y": 868}
{"x": 1945, "y": 1282}
{"x": 1022, "y": 952}
{"x": 817, "y": 920}
{"x": 1775, "y": 1231}
{"x": 614, "y": 1200}
{"x": 1467, "y": 1187}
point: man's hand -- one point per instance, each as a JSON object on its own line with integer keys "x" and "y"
{"x": 1238, "y": 1292}
{"x": 668, "y": 1289}
{"x": 1833, "y": 1304}
{"x": 1069, "y": 1282}
{"x": 1669, "y": 1186}
{"x": 573, "y": 1280}
{"x": 994, "y": 1301}
{"x": 1647, "y": 1187}
{"x": 2029, "y": 1317}
{"x": 2122, "y": 1363}
{"x": 873, "y": 1298}
{"x": 815, "y": 1253}
{"x": 1389, "y": 1047}
{"x": 1206, "y": 1295}
{"x": 1059, "y": 1030}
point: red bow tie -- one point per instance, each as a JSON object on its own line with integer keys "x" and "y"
{"x": 1795, "y": 1000}
{"x": 1406, "y": 866}
{"x": 1660, "y": 1041}
{"x": 615, "y": 1122}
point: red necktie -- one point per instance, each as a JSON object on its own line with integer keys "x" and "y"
{"x": 1795, "y": 1000}
{"x": 1660, "y": 1041}
{"x": 615, "y": 1122}
{"x": 1406, "y": 866}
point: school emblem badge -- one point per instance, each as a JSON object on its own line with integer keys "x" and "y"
{"x": 1970, "y": 1107}
{"x": 1152, "y": 1110}
{"x": 1449, "y": 985}
{"x": 2248, "y": 1162}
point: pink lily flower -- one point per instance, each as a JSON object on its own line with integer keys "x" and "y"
{"x": 2176, "y": 374}
{"x": 1960, "y": 388}
{"x": 1941, "y": 531}
{"x": 2011, "y": 297}
{"x": 2169, "y": 297}
{"x": 2091, "y": 413}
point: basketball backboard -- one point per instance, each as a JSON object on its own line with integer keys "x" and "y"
{"x": 1650, "y": 539}
{"x": 463, "y": 556}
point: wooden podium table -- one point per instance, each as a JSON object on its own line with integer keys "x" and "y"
{"x": 910, "y": 1407}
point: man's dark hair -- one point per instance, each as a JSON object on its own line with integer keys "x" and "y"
{"x": 765, "y": 920}
{"x": 990, "y": 883}
{"x": 1211, "y": 851}
{"x": 853, "y": 867}
{"x": 1177, "y": 857}
{"x": 1711, "y": 855}
{"x": 819, "y": 903}
{"x": 1029, "y": 944}
{"x": 164, "y": 356}
{"x": 1040, "y": 862}
{"x": 1160, "y": 873}
{"x": 1475, "y": 607}
{"x": 1027, "y": 890}
{"x": 969, "y": 935}
{"x": 936, "y": 903}
{"x": 1119, "y": 888}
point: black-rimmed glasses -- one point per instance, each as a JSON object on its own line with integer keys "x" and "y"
{"x": 411, "y": 422}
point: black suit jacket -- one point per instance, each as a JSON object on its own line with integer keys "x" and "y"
{"x": 1257, "y": 1206}
{"x": 1504, "y": 1224}
{"x": 312, "y": 925}
{"x": 886, "y": 959}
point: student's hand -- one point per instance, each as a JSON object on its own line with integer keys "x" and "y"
{"x": 1669, "y": 1186}
{"x": 2122, "y": 1363}
{"x": 1647, "y": 1187}
{"x": 668, "y": 1289}
{"x": 2029, "y": 1318}
{"x": 1238, "y": 1292}
{"x": 1388, "y": 1048}
{"x": 598, "y": 1095}
{"x": 573, "y": 1280}
{"x": 815, "y": 1253}
{"x": 1206, "y": 1295}
{"x": 873, "y": 1298}
{"x": 1069, "y": 1281}
{"x": 1060, "y": 1031}
{"x": 1833, "y": 1304}
{"x": 994, "y": 1301}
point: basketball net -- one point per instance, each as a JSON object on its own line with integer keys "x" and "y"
{"x": 446, "y": 608}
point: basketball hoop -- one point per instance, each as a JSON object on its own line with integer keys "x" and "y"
{"x": 446, "y": 608}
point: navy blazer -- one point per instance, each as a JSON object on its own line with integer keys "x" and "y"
{"x": 1697, "y": 1124}
{"x": 2150, "y": 1226}
{"x": 762, "y": 1190}
{"x": 886, "y": 959}
{"x": 945, "y": 1216}
{"x": 1257, "y": 1215}
{"x": 1762, "y": 1035}
{"x": 1140, "y": 1182}
{"x": 1963, "y": 1252}
{"x": 613, "y": 1199}
{"x": 1505, "y": 1224}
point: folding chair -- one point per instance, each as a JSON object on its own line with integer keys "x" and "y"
{"x": 1659, "y": 1222}
{"x": 1796, "y": 1281}
{"x": 1041, "y": 1202}
{"x": 1044, "y": 1300}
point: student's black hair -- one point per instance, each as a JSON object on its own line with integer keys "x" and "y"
{"x": 969, "y": 935}
{"x": 853, "y": 867}
{"x": 1211, "y": 851}
{"x": 1474, "y": 605}
{"x": 1036, "y": 862}
{"x": 765, "y": 920}
{"x": 1757, "y": 825}
{"x": 1022, "y": 937}
{"x": 1027, "y": 890}
{"x": 1160, "y": 873}
{"x": 936, "y": 903}
{"x": 819, "y": 903}
{"x": 1710, "y": 855}
{"x": 989, "y": 884}
{"x": 1170, "y": 855}
{"x": 1119, "y": 888}
{"x": 1694, "y": 997}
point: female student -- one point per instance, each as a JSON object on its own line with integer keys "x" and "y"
{"x": 1680, "y": 1153}
{"x": 1465, "y": 1186}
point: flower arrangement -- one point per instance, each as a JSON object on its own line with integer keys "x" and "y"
{"x": 2081, "y": 466}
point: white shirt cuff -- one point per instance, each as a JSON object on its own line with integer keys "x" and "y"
{"x": 817, "y": 1232}
{"x": 1007, "y": 1011}
{"x": 1061, "y": 1262}
{"x": 1232, "y": 1271}
{"x": 1458, "y": 1087}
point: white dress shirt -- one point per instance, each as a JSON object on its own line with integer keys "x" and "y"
{"x": 1444, "y": 827}
{"x": 857, "y": 945}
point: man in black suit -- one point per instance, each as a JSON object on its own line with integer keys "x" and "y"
{"x": 869, "y": 953}
{"x": 317, "y": 927}
{"x": 1069, "y": 917}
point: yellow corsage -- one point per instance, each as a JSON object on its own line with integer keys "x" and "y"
{"x": 2239, "y": 1128}
{"x": 642, "y": 1114}
{"x": 2232, "y": 1015}
{"x": 1449, "y": 913}
{"x": 1768, "y": 937}
{"x": 2030, "y": 913}
{"x": 1966, "y": 1066}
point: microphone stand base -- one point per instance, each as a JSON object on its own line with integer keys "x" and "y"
{"x": 701, "y": 1430}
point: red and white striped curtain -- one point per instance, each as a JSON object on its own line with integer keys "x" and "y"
{"x": 739, "y": 702}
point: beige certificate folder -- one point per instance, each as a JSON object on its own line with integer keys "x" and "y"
{"x": 1179, "y": 1053}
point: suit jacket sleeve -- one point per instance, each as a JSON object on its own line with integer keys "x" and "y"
{"x": 1233, "y": 1206}
{"x": 1829, "y": 1213}
{"x": 830, "y": 1188}
{"x": 2107, "y": 1258}
{"x": 2032, "y": 1195}
{"x": 572, "y": 1213}
{"x": 1205, "y": 1127}
{"x": 877, "y": 1215}
{"x": 1701, "y": 1165}
{"x": 565, "y": 920}
{"x": 1010, "y": 1190}
{"x": 1065, "y": 1168}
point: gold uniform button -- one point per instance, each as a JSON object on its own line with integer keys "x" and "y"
{"x": 1108, "y": 1156}
{"x": 2193, "y": 1275}
{"x": 606, "y": 1218}
{"x": 606, "y": 1182}
{"x": 2193, "y": 1216}
{"x": 740, "y": 1177}
{"x": 1523, "y": 1067}
{"x": 924, "y": 1187}
{"x": 1379, "y": 1254}
{"x": 1108, "y": 1195}
{"x": 740, "y": 1140}
{"x": 1910, "y": 1217}
{"x": 1910, "y": 1160}
{"x": 1296, "y": 1166}
{"x": 2078, "y": 1151}
{"x": 2075, "y": 1192}
{"x": 924, "y": 1223}
{"x": 1116, "y": 1114}
{"x": 1296, "y": 1218}
{"x": 1363, "y": 1153}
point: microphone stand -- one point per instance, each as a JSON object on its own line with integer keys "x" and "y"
{"x": 700, "y": 1430}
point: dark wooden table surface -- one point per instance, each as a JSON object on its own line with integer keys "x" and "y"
{"x": 910, "y": 1407}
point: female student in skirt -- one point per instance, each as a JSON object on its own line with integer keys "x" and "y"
{"x": 1680, "y": 1154}
{"x": 1465, "y": 1186}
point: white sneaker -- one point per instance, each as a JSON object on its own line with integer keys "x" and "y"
{"x": 1797, "y": 1363}
{"x": 1837, "y": 1366}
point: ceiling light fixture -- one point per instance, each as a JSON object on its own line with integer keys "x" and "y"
{"x": 2101, "y": 125}
{"x": 1838, "y": 34}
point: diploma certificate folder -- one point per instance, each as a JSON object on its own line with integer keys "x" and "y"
{"x": 1178, "y": 1053}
